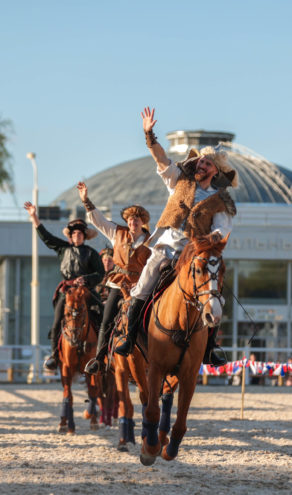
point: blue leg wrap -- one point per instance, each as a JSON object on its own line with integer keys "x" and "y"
{"x": 123, "y": 428}
{"x": 151, "y": 432}
{"x": 173, "y": 446}
{"x": 67, "y": 412}
{"x": 91, "y": 408}
{"x": 144, "y": 431}
{"x": 130, "y": 433}
{"x": 167, "y": 400}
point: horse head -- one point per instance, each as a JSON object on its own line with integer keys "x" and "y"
{"x": 208, "y": 270}
{"x": 75, "y": 322}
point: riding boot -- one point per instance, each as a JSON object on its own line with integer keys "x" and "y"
{"x": 210, "y": 356}
{"x": 53, "y": 360}
{"x": 93, "y": 366}
{"x": 134, "y": 311}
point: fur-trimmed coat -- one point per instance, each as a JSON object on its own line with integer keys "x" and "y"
{"x": 180, "y": 210}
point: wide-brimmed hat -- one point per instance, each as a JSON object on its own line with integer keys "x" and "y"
{"x": 79, "y": 224}
{"x": 227, "y": 176}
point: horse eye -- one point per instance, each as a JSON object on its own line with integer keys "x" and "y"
{"x": 198, "y": 270}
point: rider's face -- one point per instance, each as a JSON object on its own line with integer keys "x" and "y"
{"x": 135, "y": 224}
{"x": 77, "y": 237}
{"x": 205, "y": 169}
{"x": 108, "y": 263}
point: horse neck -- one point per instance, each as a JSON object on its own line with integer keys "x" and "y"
{"x": 173, "y": 306}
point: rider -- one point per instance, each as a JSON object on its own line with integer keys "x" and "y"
{"x": 80, "y": 264}
{"x": 190, "y": 183}
{"x": 130, "y": 255}
{"x": 103, "y": 288}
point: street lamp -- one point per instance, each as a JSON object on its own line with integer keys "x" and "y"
{"x": 35, "y": 315}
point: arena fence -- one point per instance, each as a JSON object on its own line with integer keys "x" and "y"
{"x": 24, "y": 363}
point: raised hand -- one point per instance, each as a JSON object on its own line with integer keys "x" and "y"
{"x": 30, "y": 208}
{"x": 82, "y": 188}
{"x": 148, "y": 119}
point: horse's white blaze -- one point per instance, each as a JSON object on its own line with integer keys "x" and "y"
{"x": 213, "y": 309}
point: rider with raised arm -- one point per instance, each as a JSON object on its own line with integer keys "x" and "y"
{"x": 198, "y": 183}
{"x": 80, "y": 264}
{"x": 130, "y": 255}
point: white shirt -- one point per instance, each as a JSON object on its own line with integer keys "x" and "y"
{"x": 172, "y": 240}
{"x": 109, "y": 230}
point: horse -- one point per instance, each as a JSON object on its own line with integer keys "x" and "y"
{"x": 132, "y": 367}
{"x": 177, "y": 340}
{"x": 77, "y": 345}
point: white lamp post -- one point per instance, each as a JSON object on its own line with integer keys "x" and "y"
{"x": 35, "y": 315}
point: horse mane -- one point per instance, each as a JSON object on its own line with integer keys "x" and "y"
{"x": 196, "y": 246}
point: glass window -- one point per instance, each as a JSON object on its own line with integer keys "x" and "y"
{"x": 269, "y": 334}
{"x": 262, "y": 282}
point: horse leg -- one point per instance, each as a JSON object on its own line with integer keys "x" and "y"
{"x": 151, "y": 446}
{"x": 185, "y": 394}
{"x": 122, "y": 378}
{"x": 169, "y": 387}
{"x": 67, "y": 423}
{"x": 92, "y": 411}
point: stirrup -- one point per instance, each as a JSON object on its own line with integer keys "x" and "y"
{"x": 216, "y": 360}
{"x": 51, "y": 363}
{"x": 94, "y": 366}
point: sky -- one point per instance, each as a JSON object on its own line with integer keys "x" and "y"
{"x": 75, "y": 75}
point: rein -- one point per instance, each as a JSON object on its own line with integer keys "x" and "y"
{"x": 182, "y": 337}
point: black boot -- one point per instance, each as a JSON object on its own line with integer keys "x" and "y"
{"x": 210, "y": 355}
{"x": 134, "y": 311}
{"x": 53, "y": 360}
{"x": 97, "y": 364}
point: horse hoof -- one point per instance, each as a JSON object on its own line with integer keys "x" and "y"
{"x": 163, "y": 438}
{"x": 94, "y": 426}
{"x": 86, "y": 414}
{"x": 122, "y": 447}
{"x": 70, "y": 432}
{"x": 62, "y": 428}
{"x": 165, "y": 455}
{"x": 147, "y": 460}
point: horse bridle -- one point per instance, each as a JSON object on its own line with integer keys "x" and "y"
{"x": 74, "y": 313}
{"x": 214, "y": 293}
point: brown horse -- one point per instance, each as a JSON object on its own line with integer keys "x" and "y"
{"x": 177, "y": 339}
{"x": 77, "y": 345}
{"x": 127, "y": 368}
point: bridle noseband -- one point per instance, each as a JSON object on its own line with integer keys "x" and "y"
{"x": 214, "y": 274}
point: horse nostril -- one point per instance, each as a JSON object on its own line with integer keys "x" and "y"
{"x": 209, "y": 318}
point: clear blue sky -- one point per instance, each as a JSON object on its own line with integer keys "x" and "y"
{"x": 75, "y": 75}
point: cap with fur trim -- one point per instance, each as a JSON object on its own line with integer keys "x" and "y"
{"x": 135, "y": 211}
{"x": 107, "y": 251}
{"x": 79, "y": 224}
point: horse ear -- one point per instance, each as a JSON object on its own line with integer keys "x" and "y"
{"x": 224, "y": 241}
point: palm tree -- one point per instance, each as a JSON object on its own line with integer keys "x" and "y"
{"x": 6, "y": 177}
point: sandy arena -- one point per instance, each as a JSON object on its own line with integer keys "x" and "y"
{"x": 220, "y": 453}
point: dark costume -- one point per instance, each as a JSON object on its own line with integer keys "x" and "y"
{"x": 76, "y": 261}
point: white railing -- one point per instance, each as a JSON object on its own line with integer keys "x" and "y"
{"x": 25, "y": 362}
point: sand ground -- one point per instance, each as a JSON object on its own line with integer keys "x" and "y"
{"x": 220, "y": 454}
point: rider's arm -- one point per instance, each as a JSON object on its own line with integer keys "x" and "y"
{"x": 50, "y": 240}
{"x": 96, "y": 265}
{"x": 94, "y": 215}
{"x": 155, "y": 148}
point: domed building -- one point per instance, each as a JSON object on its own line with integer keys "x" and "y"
{"x": 135, "y": 181}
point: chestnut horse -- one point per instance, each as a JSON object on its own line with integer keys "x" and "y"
{"x": 77, "y": 345}
{"x": 127, "y": 368}
{"x": 177, "y": 339}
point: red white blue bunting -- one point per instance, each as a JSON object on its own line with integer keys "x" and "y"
{"x": 255, "y": 368}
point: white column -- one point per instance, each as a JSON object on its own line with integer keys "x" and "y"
{"x": 35, "y": 316}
